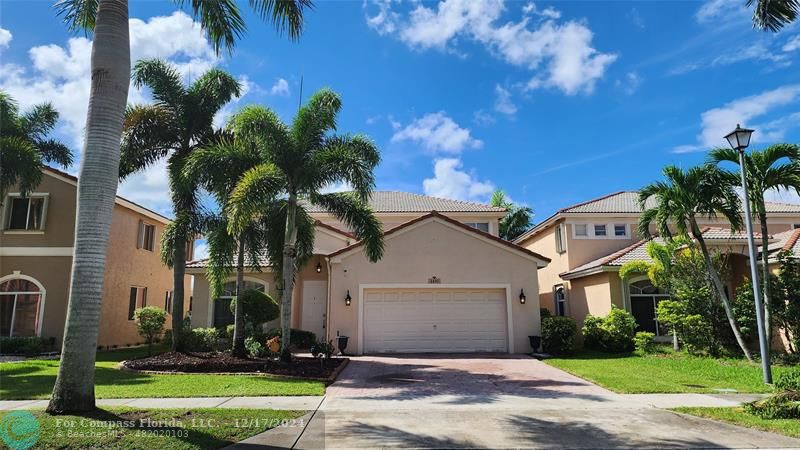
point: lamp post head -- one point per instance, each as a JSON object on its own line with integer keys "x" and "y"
{"x": 739, "y": 139}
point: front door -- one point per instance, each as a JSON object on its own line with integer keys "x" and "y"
{"x": 644, "y": 311}
{"x": 315, "y": 298}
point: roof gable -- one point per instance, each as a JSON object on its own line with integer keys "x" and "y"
{"x": 407, "y": 202}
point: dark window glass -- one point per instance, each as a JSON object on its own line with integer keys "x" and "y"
{"x": 18, "y": 219}
{"x": 132, "y": 303}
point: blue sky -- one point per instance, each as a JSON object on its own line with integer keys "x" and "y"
{"x": 554, "y": 102}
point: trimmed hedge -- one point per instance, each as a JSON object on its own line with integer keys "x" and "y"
{"x": 558, "y": 334}
{"x": 300, "y": 339}
{"x": 25, "y": 345}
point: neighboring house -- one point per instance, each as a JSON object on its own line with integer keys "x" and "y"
{"x": 446, "y": 282}
{"x": 589, "y": 242}
{"x": 36, "y": 247}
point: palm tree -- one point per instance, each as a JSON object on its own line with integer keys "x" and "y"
{"x": 777, "y": 167}
{"x": 297, "y": 162}
{"x": 174, "y": 127}
{"x": 25, "y": 147}
{"x": 773, "y": 15}
{"x": 682, "y": 198}
{"x": 97, "y": 185}
{"x": 217, "y": 168}
{"x": 517, "y": 219}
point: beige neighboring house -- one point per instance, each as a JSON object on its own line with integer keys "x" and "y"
{"x": 446, "y": 282}
{"x": 587, "y": 244}
{"x": 36, "y": 247}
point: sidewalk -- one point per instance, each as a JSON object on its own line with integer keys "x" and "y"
{"x": 299, "y": 403}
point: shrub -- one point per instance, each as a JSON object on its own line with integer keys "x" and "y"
{"x": 789, "y": 381}
{"x": 644, "y": 342}
{"x": 613, "y": 333}
{"x": 258, "y": 307}
{"x": 25, "y": 345}
{"x": 202, "y": 340}
{"x": 784, "y": 404}
{"x": 322, "y": 350}
{"x": 558, "y": 334}
{"x": 298, "y": 338}
{"x": 544, "y": 312}
{"x": 150, "y": 322}
{"x": 254, "y": 348}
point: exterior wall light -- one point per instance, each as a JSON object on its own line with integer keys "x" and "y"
{"x": 347, "y": 298}
{"x": 522, "y": 298}
{"x": 319, "y": 267}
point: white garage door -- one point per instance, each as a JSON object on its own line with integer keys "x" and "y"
{"x": 435, "y": 320}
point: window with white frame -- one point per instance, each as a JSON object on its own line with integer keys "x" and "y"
{"x": 138, "y": 296}
{"x": 561, "y": 246}
{"x": 620, "y": 230}
{"x": 20, "y": 305}
{"x": 600, "y": 230}
{"x": 25, "y": 213}
{"x": 581, "y": 229}
{"x": 483, "y": 226}
{"x": 168, "y": 302}
{"x": 560, "y": 300}
{"x": 147, "y": 236}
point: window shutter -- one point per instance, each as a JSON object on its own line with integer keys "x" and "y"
{"x": 140, "y": 237}
{"x": 144, "y": 297}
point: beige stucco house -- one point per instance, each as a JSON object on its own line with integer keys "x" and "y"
{"x": 36, "y": 246}
{"x": 587, "y": 244}
{"x": 446, "y": 282}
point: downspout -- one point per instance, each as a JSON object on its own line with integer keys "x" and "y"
{"x": 328, "y": 302}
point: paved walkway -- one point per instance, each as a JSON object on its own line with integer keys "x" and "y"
{"x": 300, "y": 403}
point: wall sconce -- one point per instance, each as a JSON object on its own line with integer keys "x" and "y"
{"x": 522, "y": 297}
{"x": 319, "y": 267}
{"x": 347, "y": 298}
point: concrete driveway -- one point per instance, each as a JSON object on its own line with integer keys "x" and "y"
{"x": 499, "y": 401}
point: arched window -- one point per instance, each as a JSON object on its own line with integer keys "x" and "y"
{"x": 20, "y": 304}
{"x": 222, "y": 305}
{"x": 644, "y": 298}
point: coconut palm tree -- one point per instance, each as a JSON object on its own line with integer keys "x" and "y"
{"x": 298, "y": 162}
{"x": 682, "y": 198}
{"x": 217, "y": 168}
{"x": 25, "y": 147}
{"x": 176, "y": 125}
{"x": 517, "y": 219}
{"x": 777, "y": 167}
{"x": 107, "y": 20}
{"x": 773, "y": 15}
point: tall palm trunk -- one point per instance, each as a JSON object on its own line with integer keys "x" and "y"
{"x": 715, "y": 279}
{"x": 178, "y": 276}
{"x": 289, "y": 254}
{"x": 97, "y": 189}
{"x": 762, "y": 218}
{"x": 238, "y": 311}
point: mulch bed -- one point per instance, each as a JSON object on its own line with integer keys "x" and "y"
{"x": 222, "y": 362}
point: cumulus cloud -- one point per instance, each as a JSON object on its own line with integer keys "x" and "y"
{"x": 717, "y": 122}
{"x": 281, "y": 87}
{"x": 503, "y": 103}
{"x": 439, "y": 133}
{"x": 450, "y": 181}
{"x": 5, "y": 37}
{"x": 560, "y": 54}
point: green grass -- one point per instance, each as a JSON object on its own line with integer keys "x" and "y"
{"x": 669, "y": 372}
{"x": 34, "y": 379}
{"x": 788, "y": 427}
{"x": 164, "y": 429}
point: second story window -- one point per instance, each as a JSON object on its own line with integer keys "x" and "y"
{"x": 620, "y": 230}
{"x": 581, "y": 229}
{"x": 600, "y": 230}
{"x": 147, "y": 236}
{"x": 25, "y": 213}
{"x": 483, "y": 226}
{"x": 561, "y": 245}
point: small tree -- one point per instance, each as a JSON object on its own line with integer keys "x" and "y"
{"x": 150, "y": 321}
{"x": 786, "y": 301}
{"x": 257, "y": 308}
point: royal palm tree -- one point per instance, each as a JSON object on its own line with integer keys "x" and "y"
{"x": 25, "y": 147}
{"x": 682, "y": 198}
{"x": 297, "y": 163}
{"x": 217, "y": 168}
{"x": 777, "y": 167}
{"x": 107, "y": 20}
{"x": 773, "y": 15}
{"x": 177, "y": 124}
{"x": 517, "y": 219}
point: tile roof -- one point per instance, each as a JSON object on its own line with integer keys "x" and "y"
{"x": 787, "y": 240}
{"x": 203, "y": 263}
{"x": 715, "y": 234}
{"x": 400, "y": 202}
{"x": 628, "y": 202}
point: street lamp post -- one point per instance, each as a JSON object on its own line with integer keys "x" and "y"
{"x": 739, "y": 140}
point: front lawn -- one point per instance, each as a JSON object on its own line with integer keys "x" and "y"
{"x": 164, "y": 429}
{"x": 789, "y": 427}
{"x": 670, "y": 372}
{"x": 34, "y": 379}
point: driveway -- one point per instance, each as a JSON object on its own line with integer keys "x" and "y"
{"x": 499, "y": 401}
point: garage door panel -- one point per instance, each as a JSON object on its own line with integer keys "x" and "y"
{"x": 435, "y": 320}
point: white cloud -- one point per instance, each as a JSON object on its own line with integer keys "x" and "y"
{"x": 281, "y": 87}
{"x": 439, "y": 133}
{"x": 792, "y": 44}
{"x": 449, "y": 181}
{"x": 713, "y": 9}
{"x": 718, "y": 122}
{"x": 781, "y": 196}
{"x": 482, "y": 117}
{"x": 755, "y": 52}
{"x": 5, "y": 37}
{"x": 200, "y": 249}
{"x": 341, "y": 186}
{"x": 630, "y": 83}
{"x": 503, "y": 103}
{"x": 636, "y": 18}
{"x": 560, "y": 55}
{"x": 384, "y": 22}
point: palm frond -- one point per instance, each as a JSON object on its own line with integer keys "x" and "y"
{"x": 218, "y": 166}
{"x": 221, "y": 253}
{"x": 287, "y": 15}
{"x": 78, "y": 14}
{"x": 53, "y": 151}
{"x": 358, "y": 217}
{"x": 39, "y": 121}
{"x": 262, "y": 127}
{"x": 163, "y": 79}
{"x": 345, "y": 158}
{"x": 221, "y": 20}
{"x": 210, "y": 93}
{"x": 256, "y": 189}
{"x": 774, "y": 15}
{"x": 148, "y": 134}
{"x": 21, "y": 164}
{"x": 316, "y": 118}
